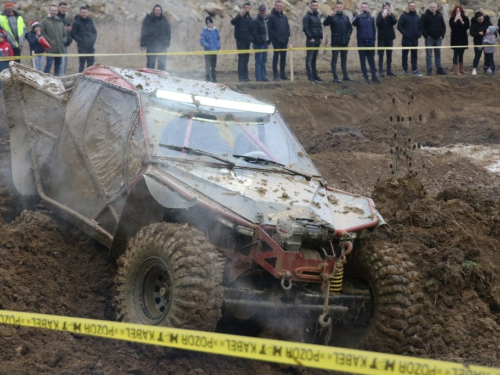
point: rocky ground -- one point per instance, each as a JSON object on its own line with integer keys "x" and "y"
{"x": 445, "y": 218}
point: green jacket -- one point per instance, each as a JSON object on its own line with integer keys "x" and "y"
{"x": 15, "y": 40}
{"x": 54, "y": 31}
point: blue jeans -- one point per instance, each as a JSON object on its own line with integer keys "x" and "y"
{"x": 57, "y": 65}
{"x": 367, "y": 55}
{"x": 260, "y": 62}
{"x": 429, "y": 42}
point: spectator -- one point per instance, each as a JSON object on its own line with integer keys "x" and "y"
{"x": 433, "y": 30}
{"x": 5, "y": 50}
{"x": 210, "y": 40}
{"x": 279, "y": 32}
{"x": 35, "y": 46}
{"x": 489, "y": 40}
{"x": 409, "y": 27}
{"x": 260, "y": 39}
{"x": 63, "y": 6}
{"x": 366, "y": 32}
{"x": 341, "y": 28}
{"x": 243, "y": 35}
{"x": 54, "y": 31}
{"x": 386, "y": 35}
{"x": 314, "y": 34}
{"x": 479, "y": 25}
{"x": 459, "y": 24}
{"x": 13, "y": 25}
{"x": 85, "y": 34}
{"x": 155, "y": 37}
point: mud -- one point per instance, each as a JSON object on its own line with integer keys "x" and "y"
{"x": 445, "y": 217}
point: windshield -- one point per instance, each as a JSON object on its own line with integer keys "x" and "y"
{"x": 226, "y": 135}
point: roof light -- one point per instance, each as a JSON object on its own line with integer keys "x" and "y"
{"x": 216, "y": 103}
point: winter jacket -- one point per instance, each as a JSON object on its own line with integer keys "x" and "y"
{"x": 155, "y": 32}
{"x": 242, "y": 27}
{"x": 279, "y": 28}
{"x": 85, "y": 34}
{"x": 341, "y": 28}
{"x": 16, "y": 40}
{"x": 433, "y": 25}
{"x": 5, "y": 50}
{"x": 385, "y": 27}
{"x": 459, "y": 35}
{"x": 476, "y": 28}
{"x": 490, "y": 39}
{"x": 312, "y": 24}
{"x": 55, "y": 33}
{"x": 62, "y": 17}
{"x": 366, "y": 31}
{"x": 409, "y": 27}
{"x": 260, "y": 33}
{"x": 33, "y": 41}
{"x": 210, "y": 39}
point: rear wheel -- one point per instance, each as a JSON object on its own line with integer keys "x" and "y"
{"x": 170, "y": 276}
{"x": 390, "y": 319}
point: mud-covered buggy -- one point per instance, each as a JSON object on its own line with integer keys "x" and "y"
{"x": 211, "y": 205}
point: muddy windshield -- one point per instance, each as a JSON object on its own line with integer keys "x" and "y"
{"x": 243, "y": 139}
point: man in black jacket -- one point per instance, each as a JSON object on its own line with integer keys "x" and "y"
{"x": 155, "y": 37}
{"x": 341, "y": 34}
{"x": 85, "y": 34}
{"x": 386, "y": 35}
{"x": 260, "y": 39}
{"x": 279, "y": 32}
{"x": 314, "y": 34}
{"x": 243, "y": 35}
{"x": 63, "y": 7}
{"x": 433, "y": 30}
{"x": 365, "y": 34}
{"x": 409, "y": 27}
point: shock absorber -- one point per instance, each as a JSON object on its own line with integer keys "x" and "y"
{"x": 337, "y": 280}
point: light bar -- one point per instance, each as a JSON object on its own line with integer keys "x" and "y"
{"x": 216, "y": 103}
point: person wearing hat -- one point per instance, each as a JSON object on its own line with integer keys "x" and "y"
{"x": 242, "y": 33}
{"x": 54, "y": 31}
{"x": 385, "y": 36}
{"x": 260, "y": 39}
{"x": 155, "y": 37}
{"x": 5, "y": 50}
{"x": 210, "y": 40}
{"x": 35, "y": 47}
{"x": 85, "y": 34}
{"x": 13, "y": 25}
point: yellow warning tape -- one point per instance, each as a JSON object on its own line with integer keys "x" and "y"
{"x": 291, "y": 353}
{"x": 232, "y": 52}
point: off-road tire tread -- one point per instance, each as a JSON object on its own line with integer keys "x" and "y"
{"x": 197, "y": 276}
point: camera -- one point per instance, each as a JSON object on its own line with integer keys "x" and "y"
{"x": 385, "y": 12}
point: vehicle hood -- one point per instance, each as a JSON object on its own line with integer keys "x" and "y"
{"x": 264, "y": 196}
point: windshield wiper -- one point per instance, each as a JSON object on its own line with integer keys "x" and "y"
{"x": 193, "y": 151}
{"x": 256, "y": 160}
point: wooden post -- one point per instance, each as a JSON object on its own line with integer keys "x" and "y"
{"x": 291, "y": 63}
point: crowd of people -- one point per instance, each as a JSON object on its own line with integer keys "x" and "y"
{"x": 55, "y": 33}
{"x": 380, "y": 31}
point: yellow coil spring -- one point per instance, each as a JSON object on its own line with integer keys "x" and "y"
{"x": 336, "y": 282}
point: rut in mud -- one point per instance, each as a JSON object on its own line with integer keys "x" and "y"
{"x": 445, "y": 220}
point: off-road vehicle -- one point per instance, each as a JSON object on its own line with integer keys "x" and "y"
{"x": 208, "y": 201}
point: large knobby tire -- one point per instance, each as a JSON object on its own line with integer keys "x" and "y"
{"x": 392, "y": 322}
{"x": 169, "y": 276}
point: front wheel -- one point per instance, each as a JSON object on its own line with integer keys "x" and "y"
{"x": 169, "y": 276}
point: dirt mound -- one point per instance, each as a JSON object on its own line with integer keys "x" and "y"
{"x": 454, "y": 241}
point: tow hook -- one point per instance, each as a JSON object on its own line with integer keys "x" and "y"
{"x": 286, "y": 282}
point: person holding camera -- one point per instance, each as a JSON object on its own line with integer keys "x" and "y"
{"x": 366, "y": 32}
{"x": 433, "y": 30}
{"x": 459, "y": 24}
{"x": 311, "y": 23}
{"x": 243, "y": 34}
{"x": 409, "y": 27}
{"x": 386, "y": 35}
{"x": 341, "y": 28}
